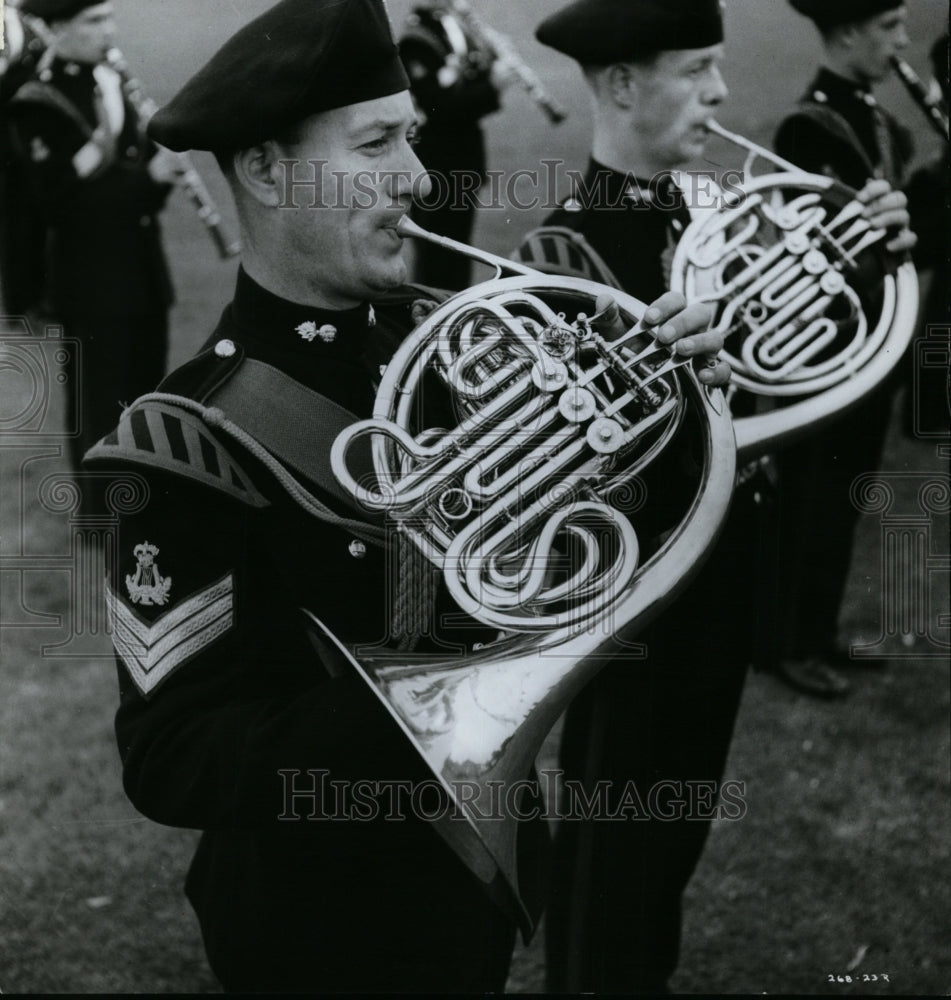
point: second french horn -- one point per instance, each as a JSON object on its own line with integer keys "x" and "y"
{"x": 815, "y": 313}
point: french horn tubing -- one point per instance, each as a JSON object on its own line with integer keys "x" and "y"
{"x": 531, "y": 506}
{"x": 814, "y": 311}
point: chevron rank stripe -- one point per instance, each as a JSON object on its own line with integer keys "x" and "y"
{"x": 152, "y": 652}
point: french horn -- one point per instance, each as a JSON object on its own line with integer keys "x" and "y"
{"x": 814, "y": 312}
{"x": 532, "y": 506}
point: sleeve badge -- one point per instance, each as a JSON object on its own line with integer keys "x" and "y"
{"x": 147, "y": 586}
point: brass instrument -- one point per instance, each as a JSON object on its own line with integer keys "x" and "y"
{"x": 930, "y": 102}
{"x": 814, "y": 311}
{"x": 528, "y": 508}
{"x": 494, "y": 45}
{"x": 188, "y": 179}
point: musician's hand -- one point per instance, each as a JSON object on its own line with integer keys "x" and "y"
{"x": 165, "y": 167}
{"x": 421, "y": 309}
{"x": 676, "y": 323}
{"x": 502, "y": 73}
{"x": 887, "y": 208}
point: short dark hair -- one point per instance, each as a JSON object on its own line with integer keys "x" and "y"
{"x": 288, "y": 137}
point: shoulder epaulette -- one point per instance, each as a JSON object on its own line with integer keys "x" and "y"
{"x": 836, "y": 124}
{"x": 165, "y": 437}
{"x": 560, "y": 250}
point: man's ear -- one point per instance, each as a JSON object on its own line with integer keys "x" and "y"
{"x": 846, "y": 34}
{"x": 619, "y": 81}
{"x": 261, "y": 172}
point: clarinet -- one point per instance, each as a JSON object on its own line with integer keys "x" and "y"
{"x": 496, "y": 45}
{"x": 189, "y": 179}
{"x": 928, "y": 102}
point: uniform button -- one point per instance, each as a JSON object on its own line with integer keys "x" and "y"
{"x": 358, "y": 549}
{"x": 132, "y": 152}
{"x": 145, "y": 221}
{"x": 225, "y": 349}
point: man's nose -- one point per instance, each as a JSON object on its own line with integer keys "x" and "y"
{"x": 420, "y": 186}
{"x": 718, "y": 91}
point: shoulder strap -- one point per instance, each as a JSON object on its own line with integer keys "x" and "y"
{"x": 163, "y": 436}
{"x": 560, "y": 250}
{"x": 838, "y": 125}
{"x": 37, "y": 92}
{"x": 294, "y": 423}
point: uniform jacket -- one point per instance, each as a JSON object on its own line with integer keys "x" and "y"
{"x": 453, "y": 96}
{"x": 840, "y": 130}
{"x": 221, "y": 686}
{"x": 105, "y": 255}
{"x": 631, "y": 225}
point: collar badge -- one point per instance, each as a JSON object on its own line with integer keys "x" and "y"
{"x": 309, "y": 331}
{"x": 147, "y": 586}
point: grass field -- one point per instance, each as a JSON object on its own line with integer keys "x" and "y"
{"x": 839, "y": 869}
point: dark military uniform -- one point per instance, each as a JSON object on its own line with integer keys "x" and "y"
{"x": 839, "y": 130}
{"x": 22, "y": 225}
{"x": 614, "y": 914}
{"x": 222, "y": 690}
{"x": 107, "y": 279}
{"x": 450, "y": 82}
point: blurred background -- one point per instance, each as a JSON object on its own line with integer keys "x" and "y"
{"x": 834, "y": 881}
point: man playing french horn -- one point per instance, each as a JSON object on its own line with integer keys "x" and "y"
{"x": 613, "y": 922}
{"x": 233, "y": 711}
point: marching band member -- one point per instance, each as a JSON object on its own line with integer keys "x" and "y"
{"x": 101, "y": 184}
{"x": 229, "y": 716}
{"x": 614, "y": 918}
{"x": 455, "y": 85}
{"x": 838, "y": 129}
{"x": 22, "y": 227}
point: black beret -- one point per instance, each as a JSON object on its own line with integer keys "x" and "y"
{"x": 56, "y": 10}
{"x": 602, "y": 32}
{"x": 298, "y": 58}
{"x": 832, "y": 13}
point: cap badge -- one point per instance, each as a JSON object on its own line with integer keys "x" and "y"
{"x": 147, "y": 586}
{"x": 371, "y": 317}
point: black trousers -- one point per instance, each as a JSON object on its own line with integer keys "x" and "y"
{"x": 614, "y": 915}
{"x": 367, "y": 911}
{"x": 817, "y": 517}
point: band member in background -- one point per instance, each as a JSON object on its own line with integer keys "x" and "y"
{"x": 926, "y": 402}
{"x": 455, "y": 85}
{"x": 614, "y": 918}
{"x": 228, "y": 714}
{"x": 22, "y": 226}
{"x": 101, "y": 185}
{"x": 838, "y": 129}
